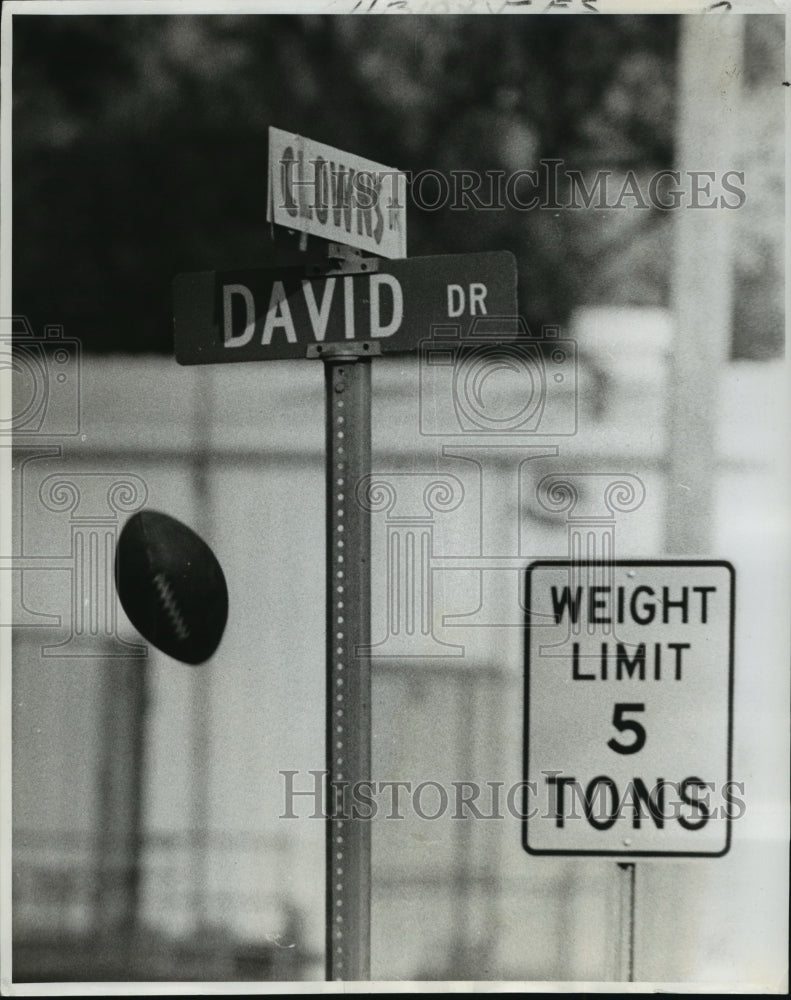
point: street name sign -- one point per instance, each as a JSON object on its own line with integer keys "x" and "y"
{"x": 281, "y": 313}
{"x": 628, "y": 708}
{"x": 330, "y": 302}
{"x": 343, "y": 198}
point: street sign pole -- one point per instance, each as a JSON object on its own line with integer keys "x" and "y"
{"x": 331, "y": 303}
{"x": 348, "y": 693}
{"x": 626, "y": 876}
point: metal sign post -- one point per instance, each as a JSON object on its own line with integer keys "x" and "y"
{"x": 348, "y": 845}
{"x": 627, "y": 876}
{"x": 328, "y": 302}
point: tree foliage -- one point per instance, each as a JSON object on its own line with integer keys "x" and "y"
{"x": 140, "y": 147}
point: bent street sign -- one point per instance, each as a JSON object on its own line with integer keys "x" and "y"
{"x": 338, "y": 196}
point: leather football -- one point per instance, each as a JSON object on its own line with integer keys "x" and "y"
{"x": 171, "y": 586}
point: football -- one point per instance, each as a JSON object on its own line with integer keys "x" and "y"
{"x": 171, "y": 586}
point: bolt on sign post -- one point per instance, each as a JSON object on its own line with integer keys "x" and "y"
{"x": 628, "y": 713}
{"x": 344, "y": 309}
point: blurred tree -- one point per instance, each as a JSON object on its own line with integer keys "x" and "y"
{"x": 140, "y": 149}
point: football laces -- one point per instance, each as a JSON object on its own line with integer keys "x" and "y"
{"x": 170, "y": 606}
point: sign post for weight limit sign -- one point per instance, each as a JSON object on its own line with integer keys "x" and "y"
{"x": 343, "y": 309}
{"x": 628, "y": 714}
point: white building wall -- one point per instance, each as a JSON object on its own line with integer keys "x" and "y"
{"x": 447, "y": 896}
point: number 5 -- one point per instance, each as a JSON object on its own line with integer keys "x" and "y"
{"x": 622, "y": 725}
